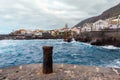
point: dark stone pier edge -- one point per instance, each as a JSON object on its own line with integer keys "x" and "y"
{"x": 47, "y": 59}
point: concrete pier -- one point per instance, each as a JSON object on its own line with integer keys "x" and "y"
{"x": 60, "y": 72}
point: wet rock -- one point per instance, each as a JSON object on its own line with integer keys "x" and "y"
{"x": 96, "y": 42}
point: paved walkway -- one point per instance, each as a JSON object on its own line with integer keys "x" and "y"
{"x": 61, "y": 72}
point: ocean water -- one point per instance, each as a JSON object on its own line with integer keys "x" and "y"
{"x": 20, "y": 52}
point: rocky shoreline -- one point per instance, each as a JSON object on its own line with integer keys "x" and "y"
{"x": 100, "y": 38}
{"x": 100, "y": 41}
{"x": 26, "y": 37}
{"x": 60, "y": 72}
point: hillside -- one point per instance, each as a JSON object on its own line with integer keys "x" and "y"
{"x": 112, "y": 12}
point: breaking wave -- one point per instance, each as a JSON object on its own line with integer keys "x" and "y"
{"x": 19, "y": 52}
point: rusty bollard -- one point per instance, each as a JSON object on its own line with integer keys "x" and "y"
{"x": 47, "y": 59}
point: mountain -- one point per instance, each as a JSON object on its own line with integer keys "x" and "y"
{"x": 112, "y": 12}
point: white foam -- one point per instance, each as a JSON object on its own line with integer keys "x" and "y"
{"x": 87, "y": 44}
{"x": 110, "y": 47}
{"x": 63, "y": 42}
{"x": 73, "y": 41}
{"x": 115, "y": 63}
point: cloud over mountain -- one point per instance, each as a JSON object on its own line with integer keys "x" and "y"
{"x": 48, "y": 14}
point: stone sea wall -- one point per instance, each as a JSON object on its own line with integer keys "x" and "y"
{"x": 106, "y": 37}
{"x": 105, "y": 34}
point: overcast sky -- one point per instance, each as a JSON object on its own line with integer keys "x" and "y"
{"x": 48, "y": 14}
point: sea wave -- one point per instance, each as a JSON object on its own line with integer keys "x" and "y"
{"x": 18, "y": 52}
{"x": 110, "y": 47}
{"x": 115, "y": 63}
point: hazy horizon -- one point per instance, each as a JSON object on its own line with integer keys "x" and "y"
{"x": 48, "y": 14}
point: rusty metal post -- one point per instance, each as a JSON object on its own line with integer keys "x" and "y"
{"x": 47, "y": 59}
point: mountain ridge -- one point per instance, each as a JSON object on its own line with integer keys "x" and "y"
{"x": 111, "y": 12}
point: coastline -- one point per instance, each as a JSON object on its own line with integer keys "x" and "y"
{"x": 100, "y": 38}
{"x": 25, "y": 37}
{"x": 60, "y": 72}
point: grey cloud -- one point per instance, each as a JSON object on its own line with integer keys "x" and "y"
{"x": 49, "y": 14}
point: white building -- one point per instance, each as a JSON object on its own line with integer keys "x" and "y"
{"x": 115, "y": 23}
{"x": 87, "y": 27}
{"x": 100, "y": 24}
{"x": 38, "y": 32}
{"x": 76, "y": 29}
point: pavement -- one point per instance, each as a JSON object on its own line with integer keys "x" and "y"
{"x": 60, "y": 72}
